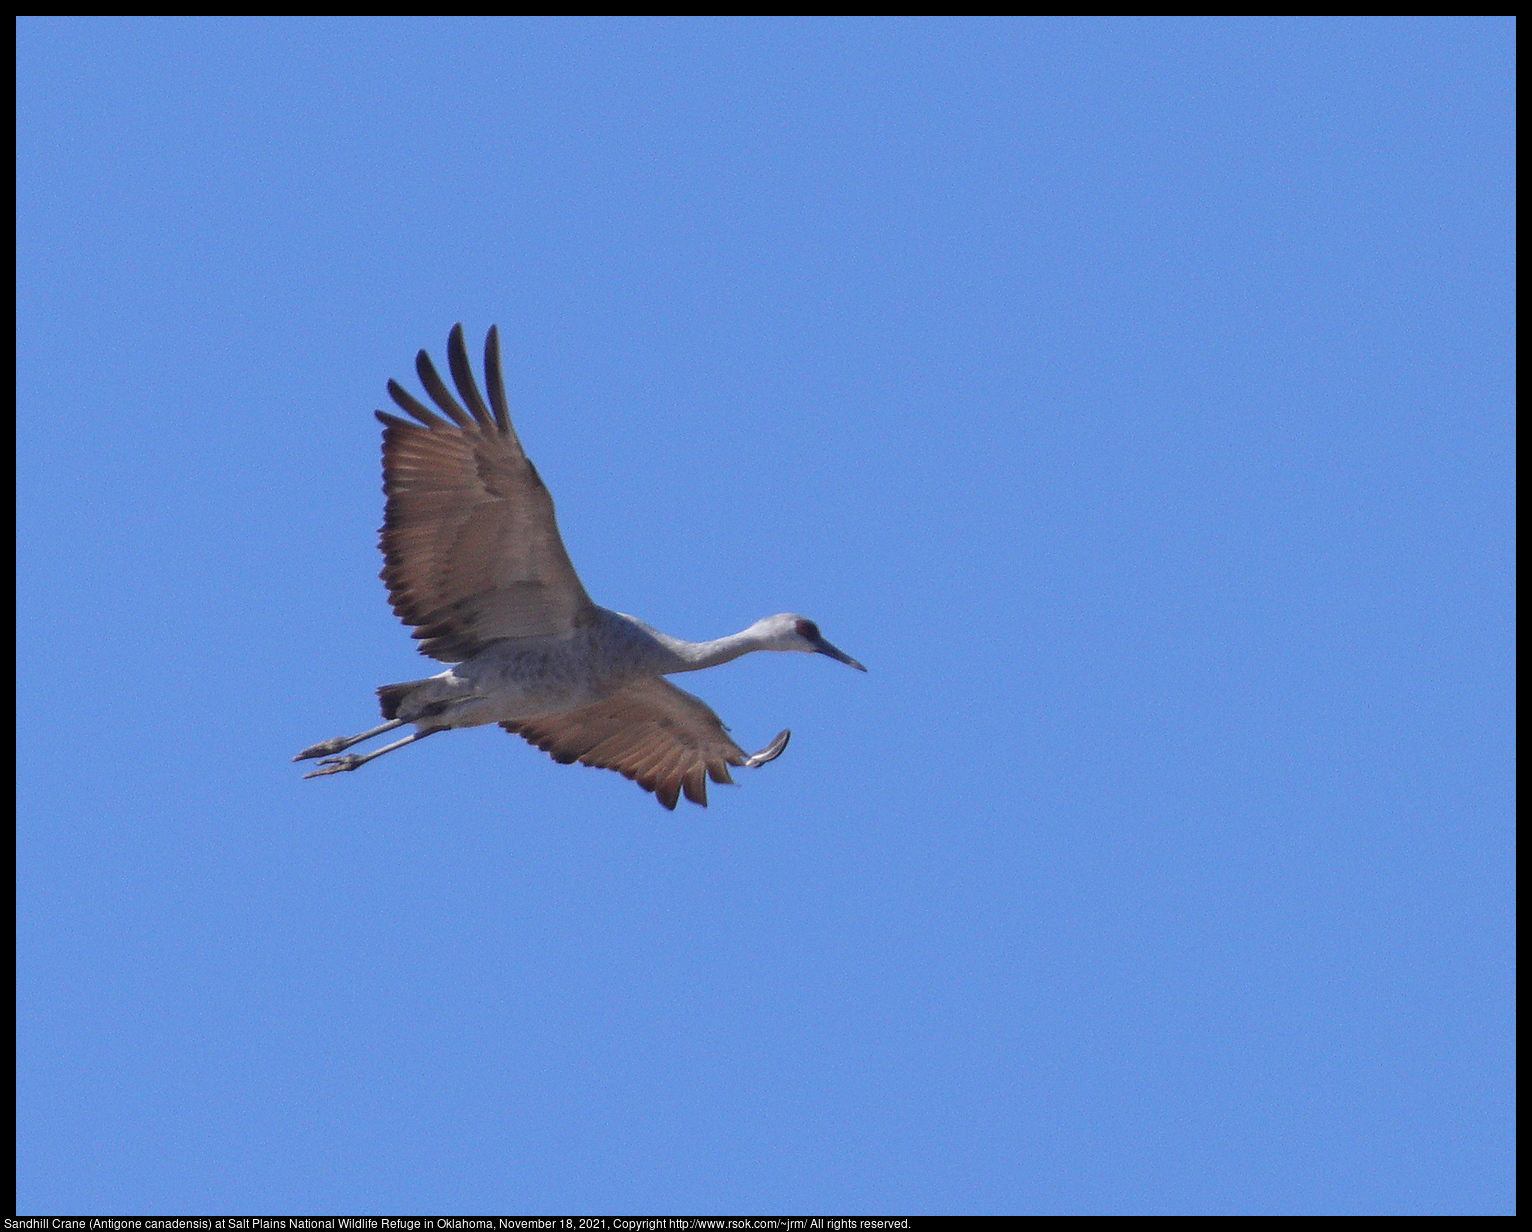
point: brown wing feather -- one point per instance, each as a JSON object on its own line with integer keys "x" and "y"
{"x": 471, "y": 550}
{"x": 664, "y": 739}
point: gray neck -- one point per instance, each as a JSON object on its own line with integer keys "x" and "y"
{"x": 694, "y": 656}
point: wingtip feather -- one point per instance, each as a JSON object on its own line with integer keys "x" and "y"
{"x": 462, "y": 374}
{"x": 437, "y": 388}
{"x": 772, "y": 751}
{"x": 494, "y": 380}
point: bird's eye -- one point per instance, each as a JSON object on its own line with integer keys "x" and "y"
{"x": 808, "y": 629}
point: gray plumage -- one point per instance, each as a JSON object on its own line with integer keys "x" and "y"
{"x": 474, "y": 564}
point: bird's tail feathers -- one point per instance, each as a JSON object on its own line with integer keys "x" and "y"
{"x": 391, "y": 696}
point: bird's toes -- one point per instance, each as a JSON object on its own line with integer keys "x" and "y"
{"x": 335, "y": 765}
{"x": 323, "y": 748}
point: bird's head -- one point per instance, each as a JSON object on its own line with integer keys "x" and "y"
{"x": 789, "y": 631}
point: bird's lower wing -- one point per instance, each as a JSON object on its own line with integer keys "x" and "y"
{"x": 664, "y": 739}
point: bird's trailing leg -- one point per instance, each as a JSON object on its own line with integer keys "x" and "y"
{"x": 351, "y": 761}
{"x": 325, "y": 747}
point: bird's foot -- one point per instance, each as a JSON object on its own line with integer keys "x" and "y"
{"x": 334, "y": 765}
{"x": 323, "y": 748}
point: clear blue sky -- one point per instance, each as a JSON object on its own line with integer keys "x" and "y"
{"x": 1133, "y": 397}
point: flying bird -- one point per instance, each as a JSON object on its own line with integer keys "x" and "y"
{"x": 474, "y": 565}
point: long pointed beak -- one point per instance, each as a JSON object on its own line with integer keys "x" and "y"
{"x": 835, "y": 652}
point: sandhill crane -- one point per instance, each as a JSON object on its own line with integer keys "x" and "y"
{"x": 474, "y": 564}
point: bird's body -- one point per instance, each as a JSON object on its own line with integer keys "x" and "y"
{"x": 529, "y": 677}
{"x": 473, "y": 560}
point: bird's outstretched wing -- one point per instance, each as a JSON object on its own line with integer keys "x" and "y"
{"x": 471, "y": 552}
{"x": 664, "y": 739}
